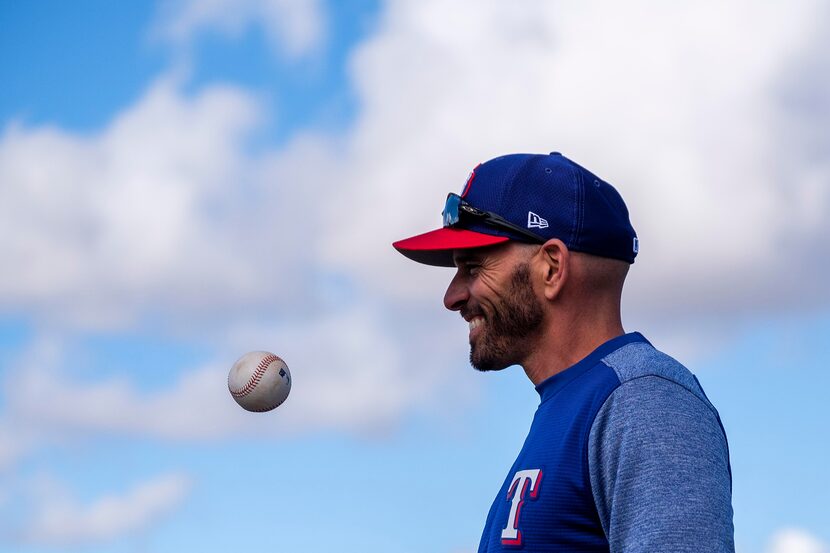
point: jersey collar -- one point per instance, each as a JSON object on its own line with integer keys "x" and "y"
{"x": 551, "y": 386}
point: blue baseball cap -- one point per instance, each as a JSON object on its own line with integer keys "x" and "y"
{"x": 529, "y": 198}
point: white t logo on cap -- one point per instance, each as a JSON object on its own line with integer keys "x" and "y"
{"x": 534, "y": 221}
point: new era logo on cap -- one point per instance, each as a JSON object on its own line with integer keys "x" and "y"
{"x": 534, "y": 221}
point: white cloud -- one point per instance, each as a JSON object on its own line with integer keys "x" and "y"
{"x": 679, "y": 105}
{"x": 15, "y": 443}
{"x": 294, "y": 27}
{"x": 348, "y": 374}
{"x": 795, "y": 540}
{"x": 162, "y": 211}
{"x": 673, "y": 103}
{"x": 165, "y": 215}
{"x": 60, "y": 520}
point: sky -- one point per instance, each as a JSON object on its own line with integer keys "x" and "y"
{"x": 182, "y": 182}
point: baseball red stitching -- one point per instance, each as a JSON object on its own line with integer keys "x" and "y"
{"x": 256, "y": 377}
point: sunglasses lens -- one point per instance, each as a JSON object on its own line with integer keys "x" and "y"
{"x": 452, "y": 216}
{"x": 451, "y": 210}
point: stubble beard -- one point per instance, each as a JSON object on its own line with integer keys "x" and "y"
{"x": 506, "y": 330}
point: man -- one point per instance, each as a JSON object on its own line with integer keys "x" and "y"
{"x": 625, "y": 452}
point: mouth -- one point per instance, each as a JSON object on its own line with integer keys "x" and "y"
{"x": 476, "y": 325}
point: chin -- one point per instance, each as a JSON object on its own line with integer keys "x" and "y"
{"x": 486, "y": 363}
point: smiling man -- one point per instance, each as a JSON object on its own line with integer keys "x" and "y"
{"x": 625, "y": 452}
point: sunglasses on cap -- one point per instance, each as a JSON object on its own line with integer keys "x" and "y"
{"x": 456, "y": 209}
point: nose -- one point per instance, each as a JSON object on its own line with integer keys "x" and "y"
{"x": 457, "y": 294}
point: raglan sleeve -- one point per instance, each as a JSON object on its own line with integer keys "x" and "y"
{"x": 659, "y": 467}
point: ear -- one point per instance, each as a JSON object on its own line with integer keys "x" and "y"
{"x": 554, "y": 264}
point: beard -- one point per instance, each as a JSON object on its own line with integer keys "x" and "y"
{"x": 506, "y": 330}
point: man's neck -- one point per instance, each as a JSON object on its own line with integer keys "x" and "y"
{"x": 564, "y": 346}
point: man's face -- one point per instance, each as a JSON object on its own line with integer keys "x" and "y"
{"x": 492, "y": 290}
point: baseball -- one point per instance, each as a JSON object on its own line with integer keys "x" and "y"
{"x": 259, "y": 381}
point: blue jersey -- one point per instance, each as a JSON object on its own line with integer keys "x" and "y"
{"x": 625, "y": 454}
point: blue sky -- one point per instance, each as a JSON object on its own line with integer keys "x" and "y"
{"x": 184, "y": 182}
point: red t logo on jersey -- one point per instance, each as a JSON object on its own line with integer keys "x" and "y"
{"x": 526, "y": 484}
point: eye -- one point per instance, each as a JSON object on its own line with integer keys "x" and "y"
{"x": 473, "y": 268}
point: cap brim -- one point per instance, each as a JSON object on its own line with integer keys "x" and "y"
{"x": 436, "y": 247}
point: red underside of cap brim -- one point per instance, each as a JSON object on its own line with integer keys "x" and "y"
{"x": 436, "y": 247}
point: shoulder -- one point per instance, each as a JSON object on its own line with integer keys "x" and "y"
{"x": 651, "y": 417}
{"x": 658, "y": 440}
{"x": 640, "y": 360}
{"x": 657, "y": 397}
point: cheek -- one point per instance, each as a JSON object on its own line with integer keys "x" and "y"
{"x": 485, "y": 291}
